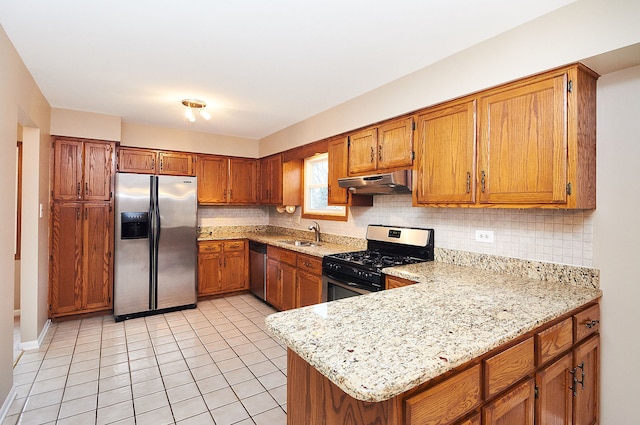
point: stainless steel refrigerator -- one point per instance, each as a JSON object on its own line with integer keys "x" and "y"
{"x": 155, "y": 244}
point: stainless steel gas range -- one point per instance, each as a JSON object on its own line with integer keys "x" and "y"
{"x": 356, "y": 273}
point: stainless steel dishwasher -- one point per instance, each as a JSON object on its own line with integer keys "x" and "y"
{"x": 258, "y": 269}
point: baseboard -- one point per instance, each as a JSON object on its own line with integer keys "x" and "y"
{"x": 32, "y": 345}
{"x": 7, "y": 403}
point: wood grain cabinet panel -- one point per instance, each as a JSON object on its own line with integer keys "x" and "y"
{"x": 338, "y": 168}
{"x": 81, "y": 261}
{"x": 554, "y": 405}
{"x": 213, "y": 175}
{"x": 445, "y": 402}
{"x": 586, "y": 361}
{"x": 516, "y": 407}
{"x": 176, "y": 163}
{"x": 508, "y": 366}
{"x": 133, "y": 160}
{"x": 152, "y": 161}
{"x": 82, "y": 170}
{"x": 554, "y": 341}
{"x": 446, "y": 155}
{"x": 386, "y": 147}
{"x": 586, "y": 322}
{"x": 222, "y": 267}
{"x": 392, "y": 282}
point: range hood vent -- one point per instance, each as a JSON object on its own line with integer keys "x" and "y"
{"x": 378, "y": 184}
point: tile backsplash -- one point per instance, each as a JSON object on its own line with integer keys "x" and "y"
{"x": 558, "y": 236}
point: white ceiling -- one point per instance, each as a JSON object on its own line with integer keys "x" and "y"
{"x": 260, "y": 65}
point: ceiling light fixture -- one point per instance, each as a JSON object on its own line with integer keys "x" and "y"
{"x": 198, "y": 105}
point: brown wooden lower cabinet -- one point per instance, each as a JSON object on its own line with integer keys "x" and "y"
{"x": 81, "y": 276}
{"x": 293, "y": 280}
{"x": 223, "y": 266}
{"x": 502, "y": 387}
{"x": 516, "y": 407}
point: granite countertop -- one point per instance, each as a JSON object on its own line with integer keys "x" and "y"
{"x": 375, "y": 347}
{"x": 319, "y": 250}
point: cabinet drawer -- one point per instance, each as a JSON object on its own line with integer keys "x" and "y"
{"x": 554, "y": 340}
{"x": 586, "y": 322}
{"x": 282, "y": 255}
{"x": 507, "y": 367}
{"x": 209, "y": 246}
{"x": 310, "y": 264}
{"x": 447, "y": 401}
{"x": 234, "y": 245}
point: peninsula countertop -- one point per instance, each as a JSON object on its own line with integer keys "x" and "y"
{"x": 377, "y": 346}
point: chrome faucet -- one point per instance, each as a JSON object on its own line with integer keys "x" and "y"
{"x": 316, "y": 229}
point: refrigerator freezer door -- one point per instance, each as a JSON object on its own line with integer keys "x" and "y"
{"x": 131, "y": 266}
{"x": 177, "y": 247}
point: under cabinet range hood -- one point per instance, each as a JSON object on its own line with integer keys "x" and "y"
{"x": 395, "y": 182}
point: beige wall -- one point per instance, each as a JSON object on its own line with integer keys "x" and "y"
{"x": 577, "y": 31}
{"x": 616, "y": 236}
{"x": 67, "y": 122}
{"x": 190, "y": 141}
{"x": 21, "y": 102}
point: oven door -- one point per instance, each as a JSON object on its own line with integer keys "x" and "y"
{"x": 336, "y": 288}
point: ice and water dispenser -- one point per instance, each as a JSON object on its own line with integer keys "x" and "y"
{"x": 134, "y": 225}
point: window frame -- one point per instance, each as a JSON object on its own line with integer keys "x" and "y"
{"x": 343, "y": 212}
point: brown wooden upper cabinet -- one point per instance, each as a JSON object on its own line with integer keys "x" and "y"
{"x": 387, "y": 146}
{"x": 82, "y": 170}
{"x": 446, "y": 154}
{"x": 225, "y": 180}
{"x": 280, "y": 182}
{"x": 535, "y": 145}
{"x": 150, "y": 161}
{"x": 536, "y": 141}
{"x": 338, "y": 168}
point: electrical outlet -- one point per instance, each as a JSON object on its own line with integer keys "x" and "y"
{"x": 485, "y": 236}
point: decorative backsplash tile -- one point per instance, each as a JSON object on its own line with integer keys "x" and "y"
{"x": 557, "y": 236}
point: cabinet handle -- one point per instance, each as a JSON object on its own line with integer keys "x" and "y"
{"x": 574, "y": 386}
{"x": 86, "y": 188}
{"x": 482, "y": 180}
{"x": 161, "y": 163}
{"x": 153, "y": 163}
{"x": 77, "y": 213}
{"x": 224, "y": 193}
{"x": 380, "y": 152}
{"x": 78, "y": 190}
{"x": 592, "y": 323}
{"x": 230, "y": 193}
{"x": 372, "y": 154}
{"x": 468, "y": 182}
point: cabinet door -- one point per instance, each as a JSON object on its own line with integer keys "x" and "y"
{"x": 176, "y": 164}
{"x": 395, "y": 144}
{"x": 338, "y": 154}
{"x": 274, "y": 283}
{"x": 242, "y": 181}
{"x": 446, "y": 156}
{"x": 209, "y": 268}
{"x": 142, "y": 161}
{"x": 392, "y": 282}
{"x": 212, "y": 179}
{"x": 586, "y": 358}
{"x": 97, "y": 258}
{"x": 288, "y": 277}
{"x": 275, "y": 194}
{"x": 309, "y": 289}
{"x": 363, "y": 155}
{"x": 523, "y": 143}
{"x": 98, "y": 165}
{"x": 66, "y": 253}
{"x": 67, "y": 170}
{"x": 514, "y": 408}
{"x": 235, "y": 275}
{"x": 554, "y": 402}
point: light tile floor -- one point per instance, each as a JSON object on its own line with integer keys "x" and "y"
{"x": 210, "y": 365}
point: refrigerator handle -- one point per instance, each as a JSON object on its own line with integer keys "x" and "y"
{"x": 153, "y": 243}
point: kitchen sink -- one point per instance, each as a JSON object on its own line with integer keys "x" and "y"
{"x": 301, "y": 243}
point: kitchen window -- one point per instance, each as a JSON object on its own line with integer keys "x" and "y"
{"x": 316, "y": 190}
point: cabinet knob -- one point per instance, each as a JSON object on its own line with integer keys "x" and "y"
{"x": 591, "y": 323}
{"x": 372, "y": 154}
{"x": 380, "y": 152}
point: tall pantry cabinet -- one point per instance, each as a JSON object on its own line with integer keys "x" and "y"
{"x": 81, "y": 245}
